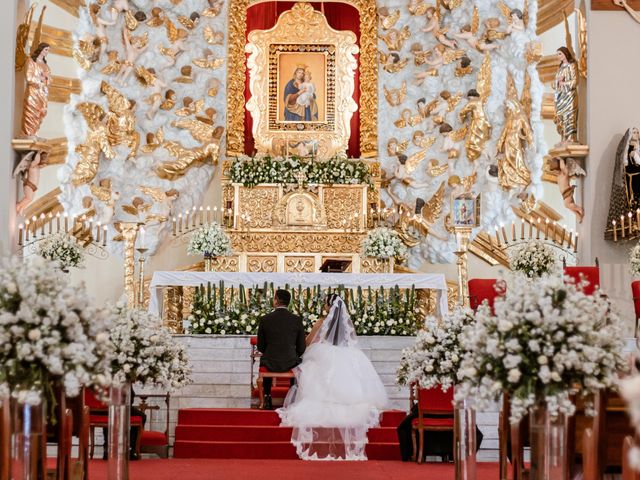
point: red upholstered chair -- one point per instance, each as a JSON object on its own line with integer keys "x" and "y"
{"x": 151, "y": 441}
{"x": 481, "y": 289}
{"x": 281, "y": 381}
{"x": 432, "y": 402}
{"x": 635, "y": 290}
{"x": 99, "y": 417}
{"x": 586, "y": 274}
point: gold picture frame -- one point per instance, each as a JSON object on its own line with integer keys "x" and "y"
{"x": 303, "y": 33}
{"x": 465, "y": 211}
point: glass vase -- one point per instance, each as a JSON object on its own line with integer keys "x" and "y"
{"x": 548, "y": 444}
{"x": 27, "y": 441}
{"x": 118, "y": 431}
{"x": 465, "y": 440}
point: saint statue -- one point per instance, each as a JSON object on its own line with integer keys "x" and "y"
{"x": 36, "y": 95}
{"x": 479, "y": 128}
{"x": 566, "y": 97}
{"x": 29, "y": 169}
{"x": 300, "y": 97}
{"x": 515, "y": 138}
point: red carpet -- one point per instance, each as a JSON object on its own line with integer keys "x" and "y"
{"x": 256, "y": 434}
{"x": 207, "y": 469}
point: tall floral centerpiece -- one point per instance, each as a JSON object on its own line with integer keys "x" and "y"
{"x": 532, "y": 259}
{"x": 51, "y": 339}
{"x": 634, "y": 261}
{"x": 434, "y": 361}
{"x": 63, "y": 249}
{"x": 546, "y": 342}
{"x": 145, "y": 352}
{"x": 211, "y": 241}
{"x": 384, "y": 244}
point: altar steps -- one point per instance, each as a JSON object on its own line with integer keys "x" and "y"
{"x": 256, "y": 434}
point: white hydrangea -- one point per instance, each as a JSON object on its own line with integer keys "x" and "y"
{"x": 50, "y": 333}
{"x": 577, "y": 347}
{"x": 383, "y": 243}
{"x": 533, "y": 259}
{"x": 634, "y": 261}
{"x": 146, "y": 352}
{"x": 63, "y": 249}
{"x": 435, "y": 357}
{"x": 210, "y": 239}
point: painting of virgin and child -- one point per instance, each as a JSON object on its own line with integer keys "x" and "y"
{"x": 302, "y": 87}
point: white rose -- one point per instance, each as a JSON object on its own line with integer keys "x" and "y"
{"x": 514, "y": 375}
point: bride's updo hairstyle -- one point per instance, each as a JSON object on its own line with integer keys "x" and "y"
{"x": 331, "y": 298}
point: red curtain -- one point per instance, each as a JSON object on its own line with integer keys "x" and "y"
{"x": 340, "y": 16}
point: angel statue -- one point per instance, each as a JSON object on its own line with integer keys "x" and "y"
{"x": 440, "y": 56}
{"x": 566, "y": 97}
{"x": 121, "y": 120}
{"x": 479, "y": 128}
{"x": 100, "y": 24}
{"x": 96, "y": 142}
{"x": 569, "y": 168}
{"x": 29, "y": 169}
{"x": 516, "y": 136}
{"x": 133, "y": 49}
{"x": 36, "y": 95}
{"x": 163, "y": 200}
{"x": 469, "y": 32}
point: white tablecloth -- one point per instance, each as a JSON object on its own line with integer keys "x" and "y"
{"x": 431, "y": 281}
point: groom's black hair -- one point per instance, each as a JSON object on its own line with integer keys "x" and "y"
{"x": 282, "y": 297}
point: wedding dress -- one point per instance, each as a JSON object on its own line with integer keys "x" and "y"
{"x": 338, "y": 394}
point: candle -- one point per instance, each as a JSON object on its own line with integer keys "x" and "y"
{"x": 575, "y": 245}
{"x": 98, "y": 228}
{"x": 504, "y": 233}
{"x": 201, "y": 215}
{"x": 615, "y": 232}
{"x": 570, "y": 238}
{"x": 530, "y": 228}
{"x": 104, "y": 236}
{"x": 42, "y": 224}
{"x": 193, "y": 217}
{"x": 180, "y": 224}
{"x": 73, "y": 222}
{"x": 50, "y": 223}
{"x": 208, "y": 214}
{"x": 513, "y": 231}
{"x": 142, "y": 235}
{"x": 564, "y": 231}
{"x": 622, "y": 225}
{"x": 497, "y": 236}
{"x": 215, "y": 213}
{"x": 174, "y": 226}
{"x": 66, "y": 222}
{"x": 630, "y": 225}
{"x": 521, "y": 229}
{"x": 553, "y": 231}
{"x": 26, "y": 231}
{"x": 20, "y": 234}
{"x": 58, "y": 222}
{"x": 538, "y": 230}
{"x": 186, "y": 220}
{"x": 546, "y": 229}
{"x": 490, "y": 242}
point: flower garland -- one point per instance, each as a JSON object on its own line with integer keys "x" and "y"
{"x": 253, "y": 171}
{"x": 435, "y": 358}
{"x": 146, "y": 352}
{"x": 546, "y": 341}
{"x": 63, "y": 249}
{"x": 533, "y": 259}
{"x": 210, "y": 239}
{"x": 49, "y": 333}
{"x": 373, "y": 312}
{"x": 383, "y": 243}
{"x": 634, "y": 261}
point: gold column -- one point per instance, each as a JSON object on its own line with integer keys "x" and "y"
{"x": 462, "y": 239}
{"x": 129, "y": 232}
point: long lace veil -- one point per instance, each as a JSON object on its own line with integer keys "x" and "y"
{"x": 337, "y": 329}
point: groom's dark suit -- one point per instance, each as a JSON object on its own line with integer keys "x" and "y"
{"x": 281, "y": 339}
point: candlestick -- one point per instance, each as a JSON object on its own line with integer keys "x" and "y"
{"x": 630, "y": 225}
{"x": 490, "y": 241}
{"x": 42, "y": 224}
{"x": 575, "y": 245}
{"x": 180, "y": 222}
{"x": 498, "y": 237}
{"x": 622, "y": 225}
{"x": 208, "y": 214}
{"x": 570, "y": 238}
{"x": 201, "y": 215}
{"x": 546, "y": 229}
{"x": 530, "y": 228}
{"x": 50, "y": 223}
{"x": 215, "y": 214}
{"x": 186, "y": 220}
{"x": 538, "y": 230}
{"x": 98, "y": 232}
{"x": 522, "y": 229}
{"x": 66, "y": 222}
{"x": 615, "y": 232}
{"x": 193, "y": 216}
{"x": 58, "y": 222}
{"x": 513, "y": 231}
{"x": 141, "y": 236}
{"x": 553, "y": 231}
{"x": 26, "y": 231}
{"x": 104, "y": 236}
{"x": 564, "y": 231}
{"x": 174, "y": 226}
{"x": 20, "y": 234}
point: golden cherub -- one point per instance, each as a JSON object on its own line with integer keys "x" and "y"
{"x": 441, "y": 55}
{"x": 153, "y": 141}
{"x": 103, "y": 193}
{"x": 121, "y": 120}
{"x": 212, "y": 37}
{"x": 191, "y": 21}
{"x": 479, "y": 127}
{"x": 87, "y": 52}
{"x": 137, "y": 207}
{"x": 190, "y": 107}
{"x": 157, "y": 17}
{"x": 114, "y": 64}
{"x": 388, "y": 17}
{"x": 469, "y": 32}
{"x": 391, "y": 62}
{"x": 215, "y": 7}
{"x": 395, "y": 38}
{"x": 394, "y": 147}
{"x": 417, "y": 7}
{"x": 209, "y": 61}
{"x": 96, "y": 142}
{"x": 395, "y": 96}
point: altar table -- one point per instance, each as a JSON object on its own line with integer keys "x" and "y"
{"x": 428, "y": 281}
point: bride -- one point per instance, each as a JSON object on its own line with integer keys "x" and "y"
{"x": 338, "y": 395}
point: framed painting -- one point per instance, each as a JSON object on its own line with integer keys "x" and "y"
{"x": 465, "y": 211}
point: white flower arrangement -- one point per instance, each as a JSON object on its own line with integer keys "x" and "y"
{"x": 63, "y": 249}
{"x": 146, "y": 352}
{"x": 210, "y": 239}
{"x": 533, "y": 259}
{"x": 634, "y": 261}
{"x": 383, "y": 243}
{"x": 546, "y": 341}
{"x": 49, "y": 332}
{"x": 435, "y": 357}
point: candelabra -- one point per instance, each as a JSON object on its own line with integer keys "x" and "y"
{"x": 547, "y": 231}
{"x": 628, "y": 228}
{"x": 462, "y": 240}
{"x": 141, "y": 261}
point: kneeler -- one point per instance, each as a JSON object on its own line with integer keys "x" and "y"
{"x": 276, "y": 377}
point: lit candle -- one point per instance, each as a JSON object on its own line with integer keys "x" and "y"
{"x": 530, "y": 228}
{"x": 497, "y": 236}
{"x": 50, "y": 223}
{"x": 174, "y": 226}
{"x": 201, "y": 215}
{"x": 91, "y": 226}
{"x": 98, "y": 231}
{"x": 575, "y": 245}
{"x": 66, "y": 222}
{"x": 553, "y": 231}
{"x": 20, "y": 234}
{"x": 622, "y": 225}
{"x": 58, "y": 222}
{"x": 513, "y": 231}
{"x": 104, "y": 235}
{"x": 521, "y": 229}
{"x": 26, "y": 231}
{"x": 504, "y": 233}
{"x": 546, "y": 229}
{"x": 193, "y": 217}
{"x": 630, "y": 225}
{"x": 186, "y": 220}
{"x": 42, "y": 224}
{"x": 208, "y": 214}
{"x": 564, "y": 231}
{"x": 180, "y": 222}
{"x": 215, "y": 213}
{"x": 570, "y": 238}
{"x": 615, "y": 232}
{"x": 142, "y": 235}
{"x": 538, "y": 230}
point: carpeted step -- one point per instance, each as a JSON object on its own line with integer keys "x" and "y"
{"x": 246, "y": 450}
{"x": 382, "y": 435}
{"x": 227, "y": 416}
{"x": 392, "y": 418}
{"x": 383, "y": 451}
{"x": 232, "y": 433}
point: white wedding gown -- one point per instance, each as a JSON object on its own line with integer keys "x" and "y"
{"x": 338, "y": 394}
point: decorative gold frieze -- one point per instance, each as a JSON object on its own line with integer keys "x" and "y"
{"x": 58, "y": 150}
{"x": 299, "y": 242}
{"x": 550, "y": 13}
{"x": 259, "y": 203}
{"x": 260, "y": 263}
{"x": 547, "y": 68}
{"x": 60, "y": 41}
{"x": 61, "y": 89}
{"x": 300, "y": 264}
{"x": 70, "y": 6}
{"x": 236, "y": 68}
{"x": 341, "y": 204}
{"x": 45, "y": 205}
{"x": 376, "y": 265}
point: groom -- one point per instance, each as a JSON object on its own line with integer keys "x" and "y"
{"x": 281, "y": 339}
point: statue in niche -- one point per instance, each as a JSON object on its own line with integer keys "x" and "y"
{"x": 29, "y": 169}
{"x": 625, "y": 188}
{"x": 516, "y": 136}
{"x": 566, "y": 97}
{"x": 36, "y": 95}
{"x": 568, "y": 169}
